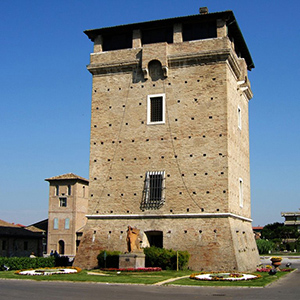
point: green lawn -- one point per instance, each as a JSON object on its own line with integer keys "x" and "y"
{"x": 143, "y": 278}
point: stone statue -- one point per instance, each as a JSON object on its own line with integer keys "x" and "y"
{"x": 133, "y": 240}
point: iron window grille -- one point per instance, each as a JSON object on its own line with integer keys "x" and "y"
{"x": 154, "y": 190}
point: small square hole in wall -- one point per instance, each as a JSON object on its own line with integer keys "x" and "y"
{"x": 207, "y": 192}
{"x": 176, "y": 120}
{"x": 194, "y": 193}
{"x": 113, "y": 142}
{"x": 147, "y": 140}
{"x": 134, "y": 158}
{"x": 171, "y": 210}
{"x": 204, "y": 154}
{"x": 109, "y": 232}
{"x": 185, "y": 231}
{"x": 142, "y": 122}
{"x": 123, "y": 105}
{"x": 220, "y": 134}
{"x": 200, "y": 231}
{"x": 203, "y": 136}
{"x": 140, "y": 103}
{"x": 192, "y": 118}
{"x": 214, "y": 79}
{"x": 95, "y": 143}
{"x": 102, "y": 143}
{"x": 210, "y": 117}
{"x": 202, "y": 209}
{"x": 161, "y": 139}
{"x": 128, "y": 211}
{"x": 168, "y": 175}
{"x": 109, "y": 125}
{"x": 110, "y": 178}
{"x": 108, "y": 90}
{"x": 224, "y": 192}
{"x": 190, "y": 137}
{"x": 111, "y": 211}
{"x": 195, "y": 174}
{"x": 175, "y": 138}
{"x": 180, "y": 193}
{"x": 142, "y": 86}
{"x": 162, "y": 157}
{"x": 97, "y": 211}
{"x": 132, "y": 141}
{"x": 169, "y": 83}
{"x": 185, "y": 82}
{"x": 108, "y": 159}
{"x": 121, "y": 232}
{"x": 217, "y": 209}
{"x": 108, "y": 195}
{"x": 222, "y": 173}
{"x": 97, "y": 108}
{"x": 205, "y": 173}
{"x": 120, "y": 89}
{"x": 134, "y": 194}
{"x": 178, "y": 101}
{"x": 187, "y": 209}
{"x": 153, "y": 85}
{"x": 215, "y": 231}
{"x": 110, "y": 107}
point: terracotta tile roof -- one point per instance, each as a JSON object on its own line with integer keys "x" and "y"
{"x": 9, "y": 231}
{"x": 67, "y": 177}
{"x": 6, "y": 224}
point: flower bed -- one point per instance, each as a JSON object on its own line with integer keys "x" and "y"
{"x": 223, "y": 276}
{"x": 150, "y": 269}
{"x": 49, "y": 271}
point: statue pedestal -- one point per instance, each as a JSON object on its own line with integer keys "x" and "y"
{"x": 132, "y": 260}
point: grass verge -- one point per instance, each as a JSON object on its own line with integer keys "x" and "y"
{"x": 144, "y": 278}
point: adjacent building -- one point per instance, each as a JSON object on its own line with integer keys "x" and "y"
{"x": 19, "y": 241}
{"x": 68, "y": 202}
{"x": 292, "y": 219}
{"x": 169, "y": 147}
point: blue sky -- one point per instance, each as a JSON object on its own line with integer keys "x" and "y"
{"x": 45, "y": 95}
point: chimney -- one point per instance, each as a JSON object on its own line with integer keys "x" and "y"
{"x": 203, "y": 10}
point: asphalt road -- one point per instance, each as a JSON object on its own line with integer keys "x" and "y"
{"x": 287, "y": 288}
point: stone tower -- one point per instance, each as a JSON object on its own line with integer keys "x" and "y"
{"x": 68, "y": 204}
{"x": 169, "y": 150}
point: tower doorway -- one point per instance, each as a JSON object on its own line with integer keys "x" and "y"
{"x": 61, "y": 249}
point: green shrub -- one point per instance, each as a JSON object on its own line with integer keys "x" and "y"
{"x": 264, "y": 246}
{"x": 112, "y": 259}
{"x": 20, "y": 263}
{"x": 165, "y": 258}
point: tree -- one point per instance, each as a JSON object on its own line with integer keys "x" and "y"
{"x": 279, "y": 231}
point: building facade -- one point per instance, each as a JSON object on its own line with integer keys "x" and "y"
{"x": 169, "y": 150}
{"x": 68, "y": 203}
{"x": 292, "y": 219}
{"x": 17, "y": 241}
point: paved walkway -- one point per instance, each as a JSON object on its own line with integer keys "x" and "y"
{"x": 171, "y": 280}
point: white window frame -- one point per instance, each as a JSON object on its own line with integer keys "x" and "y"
{"x": 241, "y": 192}
{"x": 239, "y": 112}
{"x": 149, "y": 97}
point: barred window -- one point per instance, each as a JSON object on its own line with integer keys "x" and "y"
{"x": 156, "y": 109}
{"x": 154, "y": 186}
{"x": 63, "y": 202}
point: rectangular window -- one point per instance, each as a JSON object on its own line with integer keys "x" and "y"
{"x": 239, "y": 118}
{"x": 63, "y": 202}
{"x": 55, "y": 223}
{"x": 3, "y": 245}
{"x": 67, "y": 223}
{"x": 153, "y": 195}
{"x": 57, "y": 190}
{"x": 241, "y": 192}
{"x": 69, "y": 190}
{"x": 156, "y": 109}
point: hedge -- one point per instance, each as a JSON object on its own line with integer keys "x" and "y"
{"x": 20, "y": 263}
{"x": 166, "y": 258}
